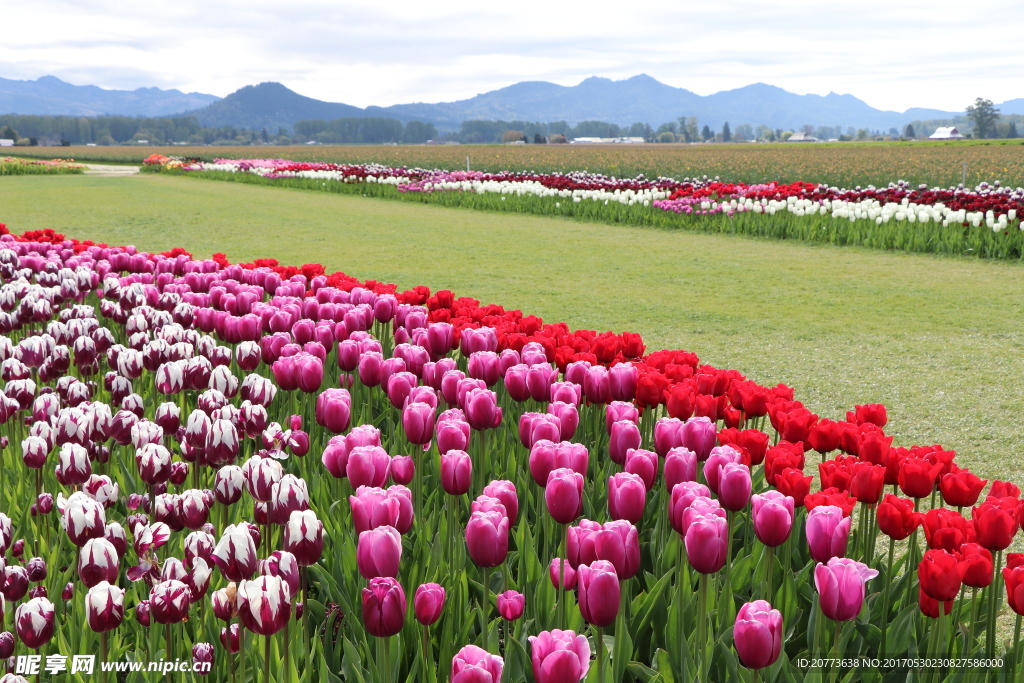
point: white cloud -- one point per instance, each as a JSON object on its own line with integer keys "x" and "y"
{"x": 362, "y": 53}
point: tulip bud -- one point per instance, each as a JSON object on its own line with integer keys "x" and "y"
{"x": 511, "y": 605}
{"x": 235, "y": 554}
{"x": 841, "y": 587}
{"x": 304, "y": 537}
{"x": 627, "y": 496}
{"x": 428, "y": 602}
{"x": 559, "y": 656}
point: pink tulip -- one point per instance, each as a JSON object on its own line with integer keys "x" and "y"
{"x": 624, "y": 436}
{"x": 505, "y": 491}
{"x": 599, "y": 592}
{"x": 482, "y": 411}
{"x": 627, "y": 496}
{"x": 379, "y": 552}
{"x": 827, "y": 532}
{"x": 451, "y": 433}
{"x": 559, "y": 657}
{"x": 334, "y": 410}
{"x": 597, "y": 385}
{"x": 643, "y": 463}
{"x": 622, "y": 381}
{"x": 734, "y": 486}
{"x": 534, "y": 427}
{"x": 428, "y": 602}
{"x": 384, "y": 607}
{"x": 617, "y": 542}
{"x": 667, "y": 435}
{"x": 680, "y": 466}
{"x": 717, "y": 458}
{"x": 403, "y": 469}
{"x": 617, "y": 411}
{"x": 456, "y": 472}
{"x": 473, "y": 664}
{"x": 758, "y": 634}
{"x": 515, "y": 382}
{"x": 559, "y": 568}
{"x": 376, "y": 507}
{"x": 368, "y": 466}
{"x": 564, "y": 494}
{"x": 487, "y": 538}
{"x": 706, "y": 543}
{"x": 773, "y": 517}
{"x": 484, "y": 365}
{"x": 539, "y": 378}
{"x": 699, "y": 435}
{"x": 511, "y": 605}
{"x": 418, "y": 423}
{"x": 567, "y": 392}
{"x": 841, "y": 587}
{"x": 546, "y": 456}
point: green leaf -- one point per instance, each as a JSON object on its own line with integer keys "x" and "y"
{"x": 901, "y": 630}
{"x": 645, "y": 674}
{"x": 664, "y": 666}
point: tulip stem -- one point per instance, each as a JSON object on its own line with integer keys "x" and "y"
{"x": 426, "y": 649}
{"x": 1016, "y": 647}
{"x": 561, "y": 577}
{"x": 702, "y": 619}
{"x": 969, "y": 650}
{"x": 484, "y": 625}
{"x": 599, "y": 643}
{"x": 285, "y": 650}
{"x": 680, "y": 597}
{"x": 386, "y": 677}
{"x": 102, "y": 656}
{"x": 266, "y": 659}
{"x": 167, "y": 636}
{"x": 241, "y": 649}
{"x": 885, "y": 596}
{"x": 836, "y": 654}
{"x": 769, "y": 571}
{"x": 993, "y": 608}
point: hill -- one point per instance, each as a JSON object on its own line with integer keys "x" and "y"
{"x": 51, "y": 96}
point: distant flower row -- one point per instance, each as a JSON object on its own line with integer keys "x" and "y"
{"x": 991, "y": 205}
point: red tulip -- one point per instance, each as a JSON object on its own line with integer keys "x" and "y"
{"x": 946, "y": 529}
{"x": 917, "y": 477}
{"x": 977, "y": 565}
{"x": 866, "y": 482}
{"x": 793, "y": 483}
{"x": 940, "y": 574}
{"x": 994, "y": 525}
{"x": 961, "y": 488}
{"x": 896, "y": 517}
{"x": 1013, "y": 577}
{"x": 930, "y": 606}
{"x": 824, "y": 436}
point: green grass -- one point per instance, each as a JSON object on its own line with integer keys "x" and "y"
{"x": 937, "y": 339}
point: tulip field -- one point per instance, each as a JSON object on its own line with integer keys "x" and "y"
{"x": 262, "y": 472}
{"x": 16, "y": 166}
{"x": 981, "y": 221}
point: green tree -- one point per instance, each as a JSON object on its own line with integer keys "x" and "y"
{"x": 84, "y": 131}
{"x": 264, "y": 135}
{"x": 1012, "y": 132}
{"x": 908, "y": 132}
{"x": 726, "y": 133}
{"x": 9, "y": 133}
{"x": 984, "y": 114}
{"x": 706, "y": 133}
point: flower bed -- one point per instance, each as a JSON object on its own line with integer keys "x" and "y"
{"x": 337, "y": 480}
{"x": 16, "y": 166}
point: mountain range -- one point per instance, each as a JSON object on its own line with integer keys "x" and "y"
{"x": 637, "y": 99}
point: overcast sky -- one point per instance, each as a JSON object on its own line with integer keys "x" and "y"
{"x": 890, "y": 54}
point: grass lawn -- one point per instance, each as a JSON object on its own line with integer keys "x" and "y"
{"x": 937, "y": 339}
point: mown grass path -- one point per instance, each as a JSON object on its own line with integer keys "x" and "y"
{"x": 939, "y": 340}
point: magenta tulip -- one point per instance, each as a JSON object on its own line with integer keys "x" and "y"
{"x": 384, "y": 607}
{"x": 599, "y": 590}
{"x": 559, "y": 656}
{"x": 680, "y": 466}
{"x": 456, "y": 472}
{"x": 428, "y": 602}
{"x": 624, "y": 437}
{"x": 643, "y": 463}
{"x": 841, "y": 587}
{"x": 379, "y": 552}
{"x": 758, "y": 634}
{"x": 706, "y": 543}
{"x": 564, "y": 495}
{"x": 505, "y": 491}
{"x": 557, "y": 568}
{"x": 827, "y": 532}
{"x": 334, "y": 410}
{"x": 473, "y": 664}
{"x": 487, "y": 538}
{"x": 627, "y": 496}
{"x": 773, "y": 517}
{"x": 511, "y": 605}
{"x": 734, "y": 486}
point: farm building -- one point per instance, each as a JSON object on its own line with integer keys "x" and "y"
{"x": 608, "y": 141}
{"x": 801, "y": 137}
{"x": 6, "y": 143}
{"x": 946, "y": 133}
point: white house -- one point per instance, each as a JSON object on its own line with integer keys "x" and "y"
{"x": 4, "y": 142}
{"x": 608, "y": 141}
{"x": 801, "y": 137}
{"x": 946, "y": 133}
